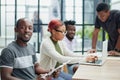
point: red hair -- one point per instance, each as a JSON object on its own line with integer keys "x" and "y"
{"x": 53, "y": 24}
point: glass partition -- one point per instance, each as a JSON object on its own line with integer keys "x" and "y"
{"x": 82, "y": 11}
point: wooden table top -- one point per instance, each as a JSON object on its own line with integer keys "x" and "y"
{"x": 110, "y": 70}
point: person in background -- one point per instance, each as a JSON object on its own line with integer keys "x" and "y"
{"x": 37, "y": 21}
{"x": 109, "y": 20}
{"x": 53, "y": 52}
{"x": 37, "y": 29}
{"x": 70, "y": 41}
{"x": 18, "y": 60}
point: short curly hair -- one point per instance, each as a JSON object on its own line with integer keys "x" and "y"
{"x": 69, "y": 22}
{"x": 102, "y": 7}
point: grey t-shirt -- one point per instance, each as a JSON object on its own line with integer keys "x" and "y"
{"x": 111, "y": 26}
{"x": 21, "y": 59}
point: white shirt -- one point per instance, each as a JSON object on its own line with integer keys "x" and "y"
{"x": 71, "y": 45}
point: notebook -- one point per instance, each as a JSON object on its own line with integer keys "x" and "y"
{"x": 102, "y": 56}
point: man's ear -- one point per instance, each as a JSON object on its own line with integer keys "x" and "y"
{"x": 15, "y": 29}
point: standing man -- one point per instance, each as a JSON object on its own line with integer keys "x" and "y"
{"x": 18, "y": 60}
{"x": 37, "y": 21}
{"x": 109, "y": 20}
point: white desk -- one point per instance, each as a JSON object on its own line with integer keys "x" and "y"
{"x": 109, "y": 71}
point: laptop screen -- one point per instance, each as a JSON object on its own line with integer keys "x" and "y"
{"x": 102, "y": 56}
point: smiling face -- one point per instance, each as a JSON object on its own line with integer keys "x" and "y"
{"x": 24, "y": 30}
{"x": 103, "y": 11}
{"x": 103, "y": 15}
{"x": 70, "y": 32}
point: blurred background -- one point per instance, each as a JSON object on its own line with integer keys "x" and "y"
{"x": 42, "y": 11}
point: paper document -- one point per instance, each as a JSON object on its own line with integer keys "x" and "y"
{"x": 53, "y": 70}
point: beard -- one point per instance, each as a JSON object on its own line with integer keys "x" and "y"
{"x": 71, "y": 37}
{"x": 24, "y": 40}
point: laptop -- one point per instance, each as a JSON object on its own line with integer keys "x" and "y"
{"x": 102, "y": 56}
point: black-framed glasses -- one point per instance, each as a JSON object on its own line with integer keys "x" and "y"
{"x": 60, "y": 31}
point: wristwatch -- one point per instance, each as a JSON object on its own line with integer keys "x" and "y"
{"x": 117, "y": 50}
